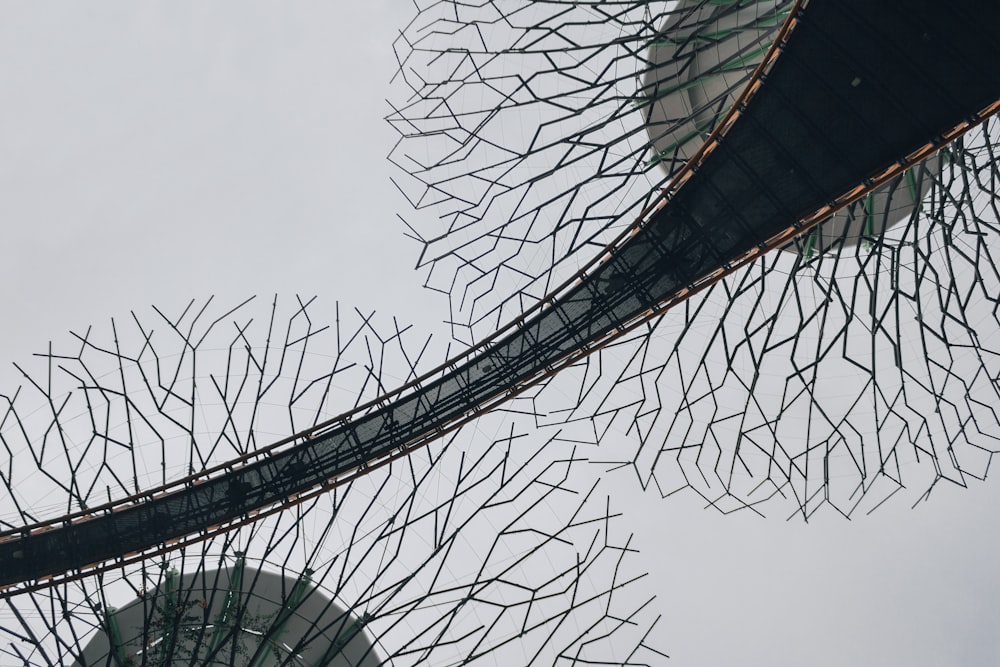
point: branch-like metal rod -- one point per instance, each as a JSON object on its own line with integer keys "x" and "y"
{"x": 809, "y": 135}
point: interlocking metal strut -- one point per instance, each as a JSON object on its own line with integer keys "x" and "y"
{"x": 852, "y": 93}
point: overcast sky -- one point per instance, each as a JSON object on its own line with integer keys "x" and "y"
{"x": 157, "y": 151}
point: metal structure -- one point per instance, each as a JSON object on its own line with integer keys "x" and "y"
{"x": 765, "y": 176}
{"x": 807, "y": 137}
{"x": 224, "y": 615}
{"x": 858, "y": 365}
{"x": 470, "y": 548}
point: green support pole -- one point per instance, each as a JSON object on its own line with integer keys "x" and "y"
{"x": 115, "y": 637}
{"x": 342, "y": 640}
{"x": 169, "y": 616}
{"x": 869, "y": 219}
{"x": 295, "y": 598}
{"x": 810, "y": 242}
{"x": 911, "y": 182}
{"x": 230, "y": 607}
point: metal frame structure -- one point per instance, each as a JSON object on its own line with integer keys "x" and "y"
{"x": 807, "y": 137}
{"x": 467, "y": 549}
{"x": 854, "y": 368}
{"x": 764, "y": 176}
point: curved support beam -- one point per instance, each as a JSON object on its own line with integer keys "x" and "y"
{"x": 861, "y": 89}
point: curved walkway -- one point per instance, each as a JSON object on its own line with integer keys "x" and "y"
{"x": 853, "y": 92}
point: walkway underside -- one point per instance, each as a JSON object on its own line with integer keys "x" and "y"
{"x": 858, "y": 88}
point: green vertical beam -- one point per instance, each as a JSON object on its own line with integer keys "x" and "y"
{"x": 295, "y": 598}
{"x": 911, "y": 182}
{"x": 115, "y": 637}
{"x": 342, "y": 640}
{"x": 230, "y": 606}
{"x": 168, "y": 616}
{"x": 869, "y": 229}
{"x": 810, "y": 242}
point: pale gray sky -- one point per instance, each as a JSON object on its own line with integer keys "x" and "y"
{"x": 158, "y": 151}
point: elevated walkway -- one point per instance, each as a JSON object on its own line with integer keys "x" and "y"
{"x": 855, "y": 92}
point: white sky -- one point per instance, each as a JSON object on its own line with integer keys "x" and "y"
{"x": 158, "y": 151}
